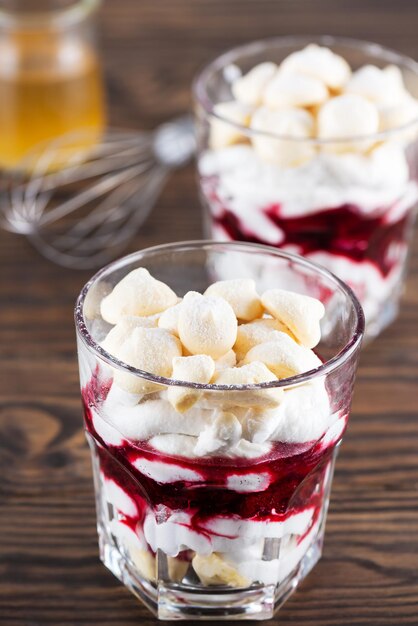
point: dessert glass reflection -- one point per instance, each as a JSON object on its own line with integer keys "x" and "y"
{"x": 310, "y": 145}
{"x": 213, "y": 423}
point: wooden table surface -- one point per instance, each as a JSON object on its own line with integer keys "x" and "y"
{"x": 49, "y": 567}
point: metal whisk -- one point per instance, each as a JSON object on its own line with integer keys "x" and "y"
{"x": 82, "y": 213}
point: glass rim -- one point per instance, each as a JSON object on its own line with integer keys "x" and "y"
{"x": 200, "y": 95}
{"x": 328, "y": 366}
{"x": 76, "y": 12}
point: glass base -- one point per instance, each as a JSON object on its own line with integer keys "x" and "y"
{"x": 171, "y": 601}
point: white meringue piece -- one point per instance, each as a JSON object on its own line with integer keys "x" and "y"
{"x": 395, "y": 76}
{"x": 294, "y": 90}
{"x": 224, "y": 433}
{"x": 294, "y": 123}
{"x": 214, "y": 570}
{"x": 207, "y": 325}
{"x": 249, "y": 88}
{"x": 250, "y": 374}
{"x": 194, "y": 369}
{"x": 382, "y": 87}
{"x": 229, "y": 359}
{"x": 259, "y": 331}
{"x": 146, "y": 563}
{"x": 395, "y": 116}
{"x": 91, "y": 308}
{"x": 151, "y": 350}
{"x": 169, "y": 319}
{"x": 283, "y": 356}
{"x": 177, "y": 568}
{"x": 124, "y": 329}
{"x": 241, "y": 294}
{"x": 349, "y": 116}
{"x": 298, "y": 312}
{"x": 320, "y": 63}
{"x": 139, "y": 294}
{"x": 223, "y": 129}
{"x": 184, "y": 446}
{"x": 136, "y": 547}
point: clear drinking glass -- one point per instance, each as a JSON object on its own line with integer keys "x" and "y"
{"x": 349, "y": 211}
{"x": 50, "y": 75}
{"x": 198, "y": 536}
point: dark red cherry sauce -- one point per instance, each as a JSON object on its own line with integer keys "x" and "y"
{"x": 343, "y": 230}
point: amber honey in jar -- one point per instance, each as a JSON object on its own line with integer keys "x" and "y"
{"x": 50, "y": 76}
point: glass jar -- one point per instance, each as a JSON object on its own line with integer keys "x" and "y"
{"x": 225, "y": 535}
{"x": 50, "y": 75}
{"x": 347, "y": 204}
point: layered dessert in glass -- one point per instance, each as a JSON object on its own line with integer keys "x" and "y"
{"x": 216, "y": 383}
{"x": 311, "y": 146}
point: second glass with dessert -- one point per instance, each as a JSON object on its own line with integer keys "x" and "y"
{"x": 311, "y": 146}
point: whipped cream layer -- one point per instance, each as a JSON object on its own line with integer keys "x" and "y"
{"x": 188, "y": 434}
{"x": 247, "y": 185}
